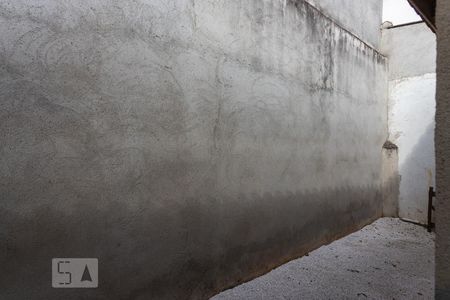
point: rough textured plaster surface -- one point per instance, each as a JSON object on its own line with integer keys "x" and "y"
{"x": 411, "y": 126}
{"x": 391, "y": 180}
{"x": 188, "y": 145}
{"x": 411, "y": 106}
{"x": 443, "y": 151}
{"x": 411, "y": 50}
{"x": 362, "y": 17}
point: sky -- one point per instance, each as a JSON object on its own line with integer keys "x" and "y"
{"x": 399, "y": 12}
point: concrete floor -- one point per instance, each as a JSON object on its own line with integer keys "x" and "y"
{"x": 388, "y": 259}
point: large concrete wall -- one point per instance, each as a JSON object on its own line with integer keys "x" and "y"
{"x": 188, "y": 145}
{"x": 411, "y": 51}
{"x": 361, "y": 17}
{"x": 443, "y": 151}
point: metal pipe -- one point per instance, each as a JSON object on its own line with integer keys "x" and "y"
{"x": 413, "y": 222}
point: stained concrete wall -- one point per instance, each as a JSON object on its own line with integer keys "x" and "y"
{"x": 361, "y": 17}
{"x": 391, "y": 180}
{"x": 188, "y": 145}
{"x": 411, "y": 51}
{"x": 443, "y": 151}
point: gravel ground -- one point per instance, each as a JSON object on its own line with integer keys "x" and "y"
{"x": 389, "y": 259}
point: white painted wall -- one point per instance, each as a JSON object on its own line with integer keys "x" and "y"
{"x": 411, "y": 128}
{"x": 411, "y": 111}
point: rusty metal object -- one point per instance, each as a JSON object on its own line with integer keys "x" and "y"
{"x": 431, "y": 194}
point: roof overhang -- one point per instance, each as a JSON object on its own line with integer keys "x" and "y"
{"x": 427, "y": 10}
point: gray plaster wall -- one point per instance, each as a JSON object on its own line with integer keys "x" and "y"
{"x": 391, "y": 180}
{"x": 443, "y": 151}
{"x": 361, "y": 17}
{"x": 188, "y": 145}
{"x": 411, "y": 51}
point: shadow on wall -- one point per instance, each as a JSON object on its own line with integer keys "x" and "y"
{"x": 417, "y": 175}
{"x": 189, "y": 251}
